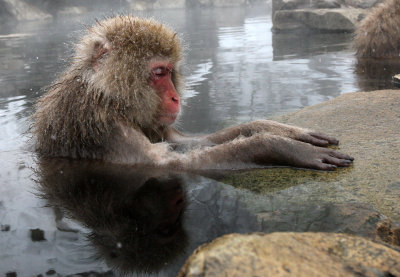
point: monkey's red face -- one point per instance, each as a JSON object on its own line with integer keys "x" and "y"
{"x": 161, "y": 81}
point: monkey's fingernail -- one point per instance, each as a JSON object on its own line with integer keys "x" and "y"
{"x": 332, "y": 167}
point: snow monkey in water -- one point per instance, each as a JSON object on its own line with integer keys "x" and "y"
{"x": 378, "y": 35}
{"x": 120, "y": 96}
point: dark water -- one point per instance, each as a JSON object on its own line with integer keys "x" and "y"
{"x": 236, "y": 71}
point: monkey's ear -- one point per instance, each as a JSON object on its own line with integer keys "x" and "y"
{"x": 100, "y": 50}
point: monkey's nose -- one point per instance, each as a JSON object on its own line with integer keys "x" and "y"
{"x": 175, "y": 99}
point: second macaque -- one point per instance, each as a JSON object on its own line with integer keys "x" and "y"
{"x": 378, "y": 35}
{"x": 120, "y": 96}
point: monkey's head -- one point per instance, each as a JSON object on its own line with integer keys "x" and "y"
{"x": 134, "y": 63}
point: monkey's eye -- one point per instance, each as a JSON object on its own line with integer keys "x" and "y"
{"x": 160, "y": 71}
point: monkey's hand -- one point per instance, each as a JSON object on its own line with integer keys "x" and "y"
{"x": 267, "y": 149}
{"x": 293, "y": 132}
{"x": 315, "y": 138}
{"x": 285, "y": 151}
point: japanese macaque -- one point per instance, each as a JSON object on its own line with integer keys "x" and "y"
{"x": 120, "y": 96}
{"x": 378, "y": 35}
{"x": 134, "y": 217}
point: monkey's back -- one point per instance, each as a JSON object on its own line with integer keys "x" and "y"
{"x": 66, "y": 124}
{"x": 378, "y": 35}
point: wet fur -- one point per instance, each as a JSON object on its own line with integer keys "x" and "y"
{"x": 378, "y": 35}
{"x": 82, "y": 111}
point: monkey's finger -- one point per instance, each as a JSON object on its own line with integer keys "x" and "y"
{"x": 335, "y": 161}
{"x": 340, "y": 155}
{"x": 314, "y": 141}
{"x": 319, "y": 164}
{"x": 321, "y": 136}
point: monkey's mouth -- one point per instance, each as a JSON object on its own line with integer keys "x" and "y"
{"x": 168, "y": 118}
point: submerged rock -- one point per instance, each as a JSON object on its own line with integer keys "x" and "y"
{"x": 5, "y": 227}
{"x": 292, "y": 254}
{"x": 350, "y": 218}
{"x": 37, "y": 234}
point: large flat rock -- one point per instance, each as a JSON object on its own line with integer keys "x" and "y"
{"x": 368, "y": 126}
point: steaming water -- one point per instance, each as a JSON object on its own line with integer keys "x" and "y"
{"x": 236, "y": 70}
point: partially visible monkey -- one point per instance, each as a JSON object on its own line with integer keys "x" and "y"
{"x": 378, "y": 35}
{"x": 121, "y": 94}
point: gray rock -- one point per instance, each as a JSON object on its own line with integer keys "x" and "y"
{"x": 326, "y": 4}
{"x": 363, "y": 4}
{"x": 143, "y": 5}
{"x": 323, "y": 20}
{"x": 218, "y": 3}
{"x": 278, "y": 5}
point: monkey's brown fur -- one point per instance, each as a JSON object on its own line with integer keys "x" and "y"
{"x": 378, "y": 35}
{"x": 77, "y": 116}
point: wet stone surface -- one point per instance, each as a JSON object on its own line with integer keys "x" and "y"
{"x": 367, "y": 125}
{"x": 292, "y": 254}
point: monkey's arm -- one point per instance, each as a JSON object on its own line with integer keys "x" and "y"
{"x": 250, "y": 129}
{"x": 174, "y": 136}
{"x": 244, "y": 152}
{"x": 271, "y": 127}
{"x": 267, "y": 149}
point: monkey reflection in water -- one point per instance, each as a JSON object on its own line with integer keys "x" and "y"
{"x": 134, "y": 218}
{"x": 120, "y": 96}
